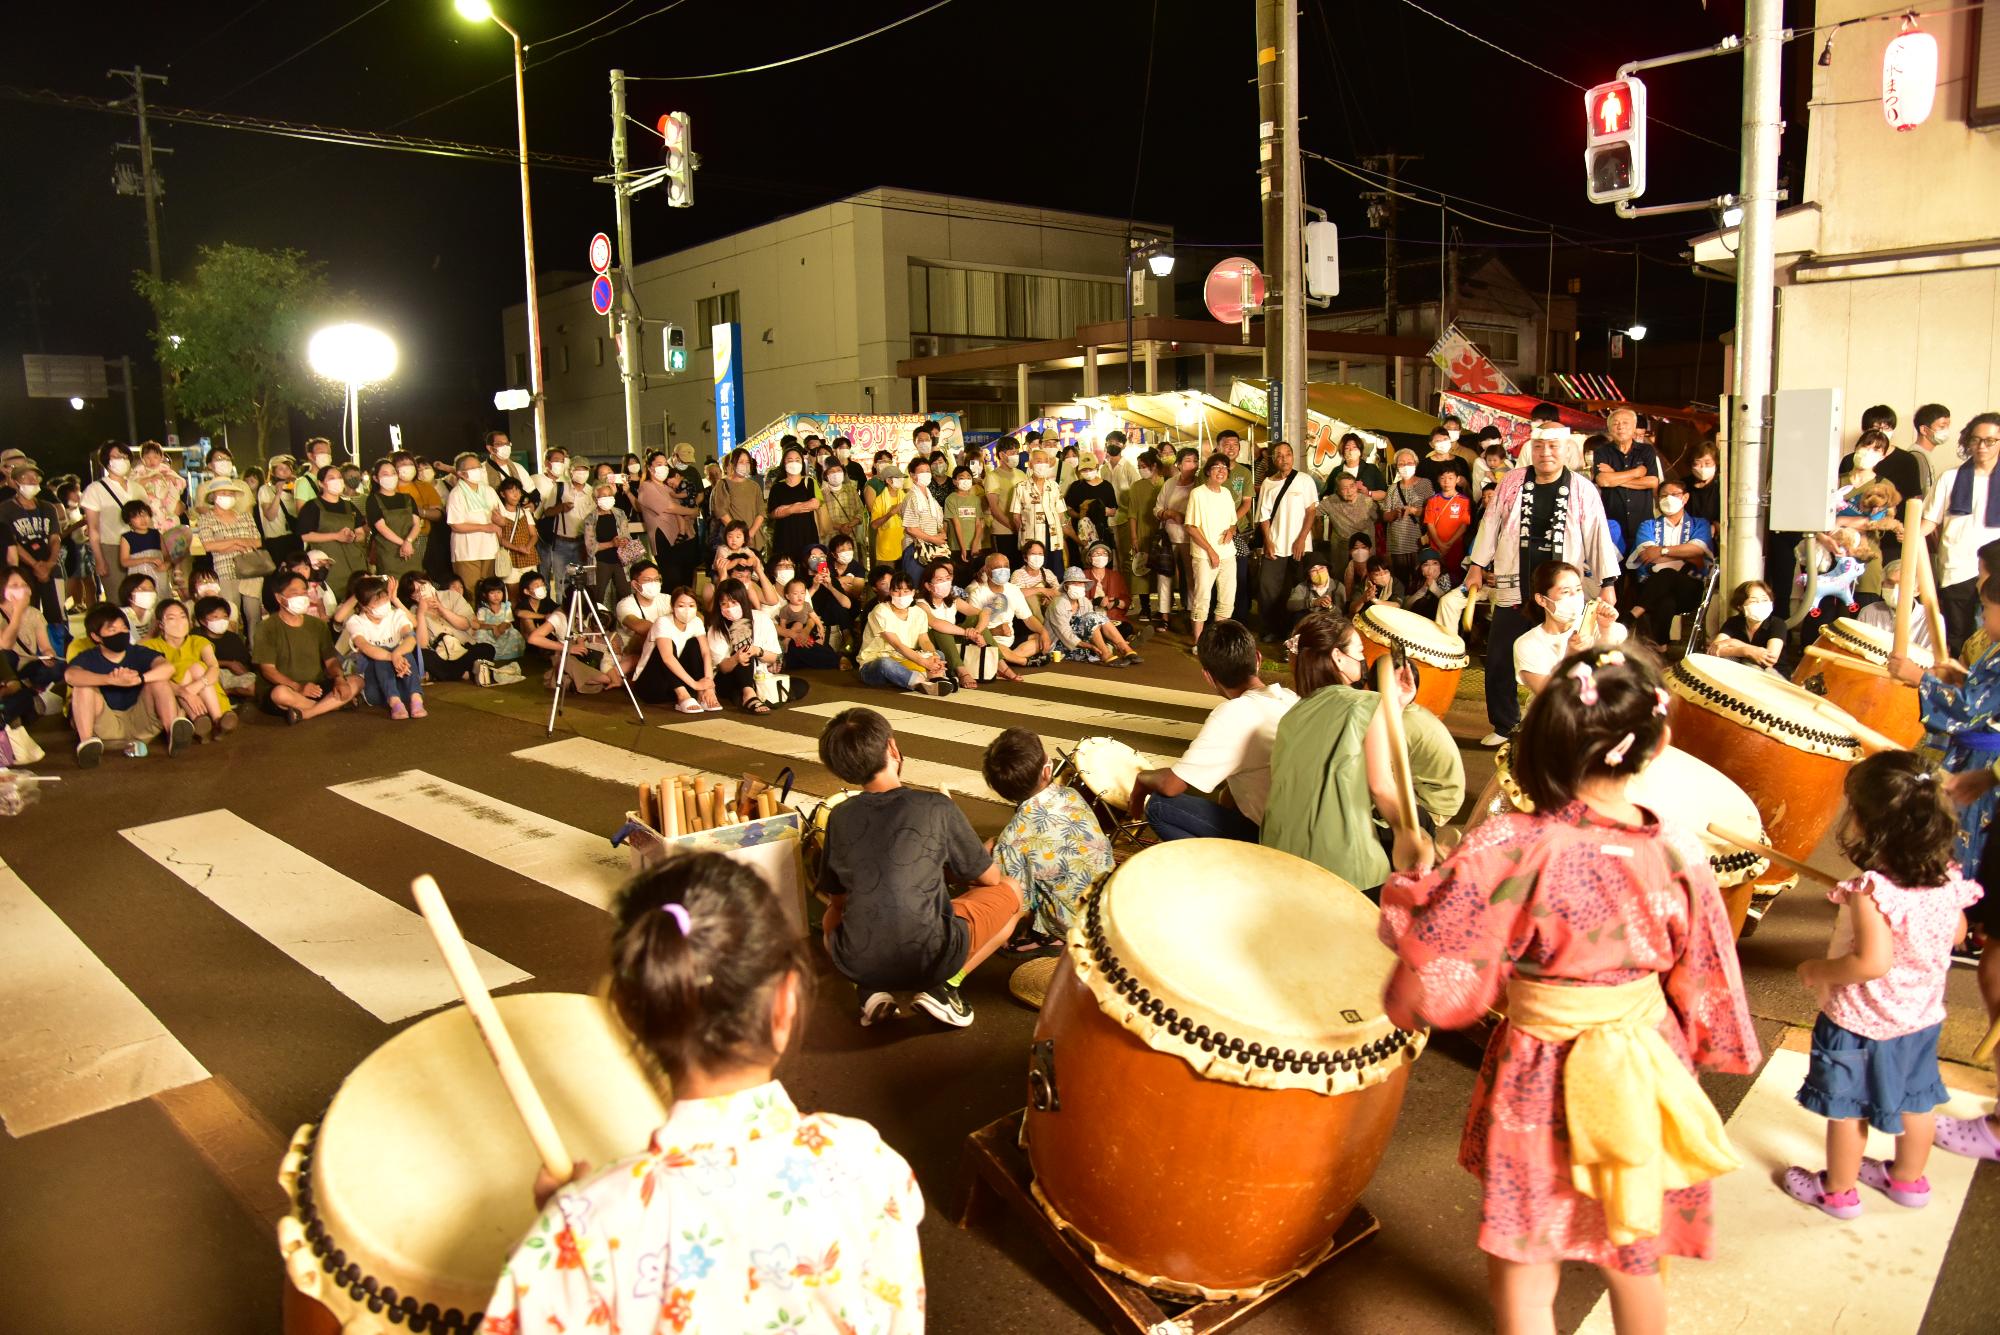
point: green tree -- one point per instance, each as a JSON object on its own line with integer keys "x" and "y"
{"x": 232, "y": 336}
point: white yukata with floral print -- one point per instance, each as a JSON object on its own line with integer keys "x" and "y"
{"x": 743, "y": 1216}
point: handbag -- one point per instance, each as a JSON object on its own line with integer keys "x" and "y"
{"x": 17, "y": 747}
{"x": 254, "y": 564}
{"x": 630, "y": 550}
{"x": 1160, "y": 554}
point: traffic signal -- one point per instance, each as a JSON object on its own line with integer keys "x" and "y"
{"x": 1614, "y": 153}
{"x": 677, "y": 140}
{"x": 677, "y": 350}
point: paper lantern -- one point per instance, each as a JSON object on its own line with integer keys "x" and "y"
{"x": 1909, "y": 78}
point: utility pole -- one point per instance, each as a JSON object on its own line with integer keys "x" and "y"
{"x": 1763, "y": 54}
{"x": 1284, "y": 248}
{"x": 631, "y": 331}
{"x": 150, "y": 188}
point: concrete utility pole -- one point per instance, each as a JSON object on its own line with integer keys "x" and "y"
{"x": 1763, "y": 55}
{"x": 631, "y": 330}
{"x": 1388, "y": 164}
{"x": 1279, "y": 180}
{"x": 150, "y": 188}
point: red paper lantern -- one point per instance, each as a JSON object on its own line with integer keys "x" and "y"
{"x": 1909, "y": 77}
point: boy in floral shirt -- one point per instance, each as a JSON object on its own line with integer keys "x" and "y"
{"x": 1054, "y": 847}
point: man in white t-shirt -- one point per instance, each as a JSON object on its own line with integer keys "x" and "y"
{"x": 1286, "y": 504}
{"x": 640, "y": 610}
{"x": 475, "y": 537}
{"x": 1233, "y": 747}
{"x": 1966, "y": 506}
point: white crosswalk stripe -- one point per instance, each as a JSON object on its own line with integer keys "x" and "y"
{"x": 962, "y": 731}
{"x": 1757, "y": 1281}
{"x": 797, "y": 746}
{"x": 1062, "y": 711}
{"x": 374, "y": 951}
{"x": 579, "y": 863}
{"x": 1125, "y": 690}
{"x": 73, "y": 1039}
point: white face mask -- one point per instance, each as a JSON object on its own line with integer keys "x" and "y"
{"x": 843, "y": 559}
{"x": 1452, "y": 432}
{"x": 941, "y": 590}
{"x": 222, "y": 468}
{"x": 143, "y": 599}
{"x": 632, "y": 470}
{"x": 903, "y": 600}
{"x": 386, "y": 482}
{"x": 793, "y": 468}
{"x": 606, "y": 502}
{"x": 921, "y": 479}
{"x": 836, "y": 480}
{"x": 217, "y": 626}
{"x": 535, "y": 595}
{"x": 1092, "y": 475}
{"x": 119, "y": 467}
{"x": 427, "y": 474}
{"x": 997, "y": 575}
{"x": 475, "y": 477}
{"x": 1406, "y": 471}
{"x": 783, "y": 574}
{"x": 207, "y": 589}
{"x": 1569, "y": 607}
{"x": 377, "y": 612}
{"x": 1866, "y": 459}
{"x": 1045, "y": 470}
{"x": 659, "y": 472}
{"x": 729, "y": 611}
{"x": 1075, "y": 592}
{"x": 1035, "y": 560}
{"x": 502, "y": 453}
{"x": 406, "y": 472}
{"x": 1670, "y": 505}
{"x": 1757, "y": 610}
{"x": 650, "y": 589}
{"x": 963, "y": 483}
{"x": 1099, "y": 562}
{"x": 226, "y": 501}
{"x": 743, "y": 470}
{"x": 322, "y": 460}
{"x": 1704, "y": 471}
{"x": 297, "y": 604}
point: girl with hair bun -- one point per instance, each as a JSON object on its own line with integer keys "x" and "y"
{"x": 1604, "y": 930}
{"x": 742, "y": 1213}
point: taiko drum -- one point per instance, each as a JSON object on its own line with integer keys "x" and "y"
{"x": 1439, "y": 655}
{"x": 1883, "y": 703}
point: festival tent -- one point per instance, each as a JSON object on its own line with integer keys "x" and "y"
{"x": 1335, "y": 408}
{"x": 1516, "y": 407}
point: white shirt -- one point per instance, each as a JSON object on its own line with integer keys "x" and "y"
{"x": 384, "y": 634}
{"x": 1959, "y": 536}
{"x": 763, "y": 634}
{"x": 677, "y": 636}
{"x": 472, "y": 505}
{"x": 102, "y": 500}
{"x": 1290, "y": 517}
{"x": 1122, "y": 474}
{"x": 1539, "y": 650}
{"x": 1005, "y": 604}
{"x": 654, "y": 609}
{"x": 1234, "y": 745}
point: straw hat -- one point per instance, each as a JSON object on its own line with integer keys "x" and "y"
{"x": 1031, "y": 981}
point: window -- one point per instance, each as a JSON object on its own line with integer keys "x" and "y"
{"x": 562, "y": 359}
{"x": 987, "y": 305}
{"x": 600, "y": 353}
{"x": 1501, "y": 342}
{"x": 712, "y": 311}
{"x": 520, "y": 370}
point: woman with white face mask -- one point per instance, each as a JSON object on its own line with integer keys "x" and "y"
{"x": 667, "y": 514}
{"x": 332, "y": 524}
{"x": 793, "y": 507}
{"x": 226, "y": 523}
{"x": 1565, "y": 628}
{"x": 103, "y": 505}
{"x": 1752, "y": 634}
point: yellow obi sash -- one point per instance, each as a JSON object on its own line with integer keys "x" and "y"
{"x": 1639, "y": 1124}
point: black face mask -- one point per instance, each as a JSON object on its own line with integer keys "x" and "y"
{"x": 118, "y": 643}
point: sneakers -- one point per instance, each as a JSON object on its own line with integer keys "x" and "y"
{"x": 47, "y": 702}
{"x": 88, "y": 752}
{"x": 943, "y": 1004}
{"x": 1491, "y": 740}
{"x": 1804, "y": 1185}
{"x": 179, "y": 736}
{"x": 879, "y": 1006}
{"x": 1910, "y": 1195}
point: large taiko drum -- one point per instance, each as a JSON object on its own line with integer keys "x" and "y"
{"x": 1783, "y": 745}
{"x": 1213, "y": 1079}
{"x": 410, "y": 1193}
{"x": 1104, "y": 770}
{"x": 1678, "y": 788}
{"x": 1883, "y": 703}
{"x": 1439, "y": 655}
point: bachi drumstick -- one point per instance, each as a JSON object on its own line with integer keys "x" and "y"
{"x": 1763, "y": 850}
{"x": 521, "y": 1091}
{"x": 1848, "y": 662}
{"x": 1941, "y": 646}
{"x": 1906, "y": 587}
{"x": 1984, "y": 1052}
{"x": 1399, "y": 748}
{"x": 670, "y": 804}
{"x": 1471, "y": 606}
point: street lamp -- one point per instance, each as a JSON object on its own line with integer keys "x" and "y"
{"x": 1159, "y": 258}
{"x": 1636, "y": 333}
{"x": 355, "y": 355}
{"x": 479, "y": 11}
{"x": 76, "y": 402}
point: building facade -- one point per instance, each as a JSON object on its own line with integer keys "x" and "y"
{"x": 829, "y": 301}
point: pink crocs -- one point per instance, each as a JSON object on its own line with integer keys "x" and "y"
{"x": 1911, "y": 1195}
{"x": 1802, "y": 1184}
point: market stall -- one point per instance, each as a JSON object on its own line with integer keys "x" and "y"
{"x": 1332, "y": 411}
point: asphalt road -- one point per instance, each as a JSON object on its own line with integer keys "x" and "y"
{"x": 156, "y": 1213}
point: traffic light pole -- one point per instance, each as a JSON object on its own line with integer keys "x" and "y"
{"x": 626, "y": 313}
{"x": 1743, "y": 553}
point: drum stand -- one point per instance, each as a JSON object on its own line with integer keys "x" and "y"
{"x": 999, "y": 1164}
{"x": 580, "y": 604}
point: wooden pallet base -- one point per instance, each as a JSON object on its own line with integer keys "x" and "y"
{"x": 1000, "y": 1171}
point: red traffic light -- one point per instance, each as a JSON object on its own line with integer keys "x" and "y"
{"x": 672, "y": 128}
{"x": 1610, "y": 109}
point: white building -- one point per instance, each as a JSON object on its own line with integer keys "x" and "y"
{"x": 1889, "y": 265}
{"x": 829, "y": 301}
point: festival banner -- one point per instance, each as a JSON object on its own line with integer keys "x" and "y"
{"x": 1467, "y": 367}
{"x": 868, "y": 432}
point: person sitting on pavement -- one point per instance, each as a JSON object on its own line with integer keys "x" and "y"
{"x": 956, "y": 626}
{"x": 802, "y": 632}
{"x": 677, "y": 664}
{"x": 1053, "y": 847}
{"x": 1011, "y": 625}
{"x": 120, "y": 691}
{"x": 743, "y": 642}
{"x": 1233, "y": 747}
{"x": 1081, "y": 633}
{"x": 891, "y": 925}
{"x": 300, "y": 672}
{"x": 26, "y": 650}
{"x": 385, "y": 636}
{"x": 197, "y": 675}
{"x": 232, "y": 650}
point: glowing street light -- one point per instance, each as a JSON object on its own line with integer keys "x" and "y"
{"x": 76, "y": 402}
{"x": 1636, "y": 332}
{"x": 355, "y": 355}
{"x": 480, "y": 11}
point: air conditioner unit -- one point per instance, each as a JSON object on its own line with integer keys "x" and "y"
{"x": 923, "y": 345}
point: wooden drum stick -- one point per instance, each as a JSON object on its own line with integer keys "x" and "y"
{"x": 1984, "y": 1052}
{"x": 1848, "y": 662}
{"x": 1471, "y": 606}
{"x": 1906, "y": 587}
{"x": 1763, "y": 850}
{"x": 520, "y": 1086}
{"x": 1941, "y": 646}
{"x": 1399, "y": 747}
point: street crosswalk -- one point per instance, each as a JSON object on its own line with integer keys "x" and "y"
{"x": 1042, "y": 709}
{"x": 800, "y": 746}
{"x": 1124, "y": 690}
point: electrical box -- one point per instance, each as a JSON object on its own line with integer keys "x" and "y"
{"x": 1805, "y": 459}
{"x": 1323, "y": 258}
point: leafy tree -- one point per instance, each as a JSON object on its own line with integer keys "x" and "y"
{"x": 232, "y": 336}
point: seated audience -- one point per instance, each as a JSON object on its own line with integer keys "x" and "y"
{"x": 1081, "y": 632}
{"x": 300, "y": 672}
{"x": 197, "y": 675}
{"x": 120, "y": 691}
{"x": 1558, "y": 591}
{"x": 384, "y": 635}
{"x": 897, "y": 651}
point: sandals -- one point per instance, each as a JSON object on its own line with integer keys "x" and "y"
{"x": 1808, "y": 1187}
{"x": 690, "y": 707}
{"x": 1972, "y": 1137}
{"x": 754, "y": 705}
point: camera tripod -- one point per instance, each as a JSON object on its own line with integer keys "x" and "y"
{"x": 581, "y": 604}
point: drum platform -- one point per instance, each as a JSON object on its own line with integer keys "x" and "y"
{"x": 1000, "y": 1170}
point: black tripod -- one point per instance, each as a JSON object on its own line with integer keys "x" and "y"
{"x": 581, "y": 604}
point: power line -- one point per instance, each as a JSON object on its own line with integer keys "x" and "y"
{"x": 791, "y": 60}
{"x": 301, "y": 51}
{"x": 1145, "y": 106}
{"x": 607, "y": 14}
{"x": 214, "y": 33}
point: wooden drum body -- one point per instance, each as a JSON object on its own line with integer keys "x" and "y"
{"x": 1439, "y": 655}
{"x": 409, "y": 1195}
{"x": 1213, "y": 1081}
{"x": 1785, "y": 747}
{"x": 1889, "y": 706}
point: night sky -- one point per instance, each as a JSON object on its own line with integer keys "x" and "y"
{"x": 1031, "y": 101}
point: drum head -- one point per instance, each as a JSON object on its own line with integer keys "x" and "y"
{"x": 1767, "y": 704}
{"x": 422, "y": 1171}
{"x": 1254, "y": 966}
{"x": 1108, "y": 768}
{"x": 1422, "y": 638}
{"x": 1862, "y": 640}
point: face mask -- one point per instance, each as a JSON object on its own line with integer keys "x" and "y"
{"x": 1092, "y": 476}
{"x": 793, "y": 468}
{"x": 1704, "y": 471}
{"x": 377, "y": 612}
{"x": 903, "y": 600}
{"x": 1670, "y": 505}
{"x": 1075, "y": 592}
{"x": 730, "y": 611}
{"x": 405, "y": 472}
{"x": 997, "y": 575}
{"x": 963, "y": 483}
{"x": 296, "y": 604}
{"x": 650, "y": 589}
{"x": 29, "y": 490}
{"x": 207, "y": 589}
{"x": 1757, "y": 611}
{"x": 427, "y": 474}
{"x": 386, "y": 482}
{"x": 17, "y": 593}
{"x": 1406, "y": 471}
{"x": 222, "y": 468}
{"x": 226, "y": 501}
{"x": 1099, "y": 562}
{"x": 631, "y": 470}
{"x": 322, "y": 460}
{"x": 1866, "y": 459}
{"x": 835, "y": 480}
{"x": 1035, "y": 561}
{"x": 118, "y": 643}
{"x": 843, "y": 559}
{"x": 1320, "y": 581}
{"x": 217, "y": 626}
{"x": 1569, "y": 607}
{"x": 743, "y": 470}
{"x": 1453, "y": 433}
{"x": 120, "y": 467}
{"x": 1045, "y": 470}
{"x": 784, "y": 575}
{"x": 143, "y": 599}
{"x": 502, "y": 453}
{"x": 920, "y": 479}
{"x": 535, "y": 595}
{"x": 1004, "y": 461}
{"x": 606, "y": 502}
{"x": 941, "y": 590}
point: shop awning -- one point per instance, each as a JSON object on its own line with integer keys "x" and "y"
{"x": 1349, "y": 405}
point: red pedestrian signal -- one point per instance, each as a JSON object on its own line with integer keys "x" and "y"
{"x": 1614, "y": 154}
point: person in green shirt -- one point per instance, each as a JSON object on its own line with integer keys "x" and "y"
{"x": 1140, "y": 524}
{"x": 1001, "y": 480}
{"x": 298, "y": 671}
{"x": 1242, "y": 485}
{"x": 965, "y": 523}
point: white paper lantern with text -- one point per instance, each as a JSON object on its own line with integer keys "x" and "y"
{"x": 1909, "y": 78}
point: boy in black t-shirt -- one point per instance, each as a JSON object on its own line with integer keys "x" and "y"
{"x": 891, "y": 925}
{"x": 120, "y": 691}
